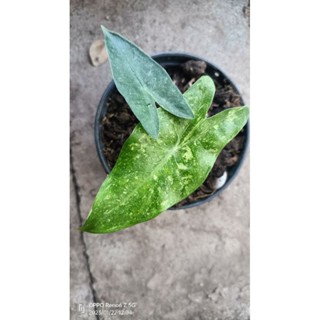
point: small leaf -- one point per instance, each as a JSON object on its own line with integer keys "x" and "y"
{"x": 142, "y": 82}
{"x": 150, "y": 175}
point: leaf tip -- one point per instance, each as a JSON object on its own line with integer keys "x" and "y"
{"x": 187, "y": 112}
{"x": 190, "y": 114}
{"x": 106, "y": 32}
{"x": 187, "y": 116}
{"x": 153, "y": 134}
{"x": 88, "y": 227}
{"x": 104, "y": 29}
{"x": 246, "y": 110}
{"x": 243, "y": 113}
{"x": 83, "y": 228}
{"x": 209, "y": 81}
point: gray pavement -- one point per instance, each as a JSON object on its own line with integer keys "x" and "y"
{"x": 186, "y": 264}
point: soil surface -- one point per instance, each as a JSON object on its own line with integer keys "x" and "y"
{"x": 119, "y": 122}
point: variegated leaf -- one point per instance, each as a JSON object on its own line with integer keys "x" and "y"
{"x": 151, "y": 175}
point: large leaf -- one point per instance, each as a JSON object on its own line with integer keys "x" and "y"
{"x": 150, "y": 175}
{"x": 142, "y": 82}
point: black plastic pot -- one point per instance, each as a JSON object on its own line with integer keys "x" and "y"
{"x": 171, "y": 60}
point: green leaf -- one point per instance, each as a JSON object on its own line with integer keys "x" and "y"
{"x": 142, "y": 82}
{"x": 150, "y": 175}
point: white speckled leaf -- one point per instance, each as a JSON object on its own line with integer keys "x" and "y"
{"x": 150, "y": 175}
{"x": 142, "y": 82}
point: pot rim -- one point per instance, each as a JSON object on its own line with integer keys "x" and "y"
{"x": 111, "y": 86}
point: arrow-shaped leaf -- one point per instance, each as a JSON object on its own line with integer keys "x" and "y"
{"x": 142, "y": 82}
{"x": 150, "y": 175}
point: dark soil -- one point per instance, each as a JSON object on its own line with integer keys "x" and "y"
{"x": 120, "y": 121}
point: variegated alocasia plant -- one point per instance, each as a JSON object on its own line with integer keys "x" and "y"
{"x": 151, "y": 175}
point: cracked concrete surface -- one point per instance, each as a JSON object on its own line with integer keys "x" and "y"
{"x": 186, "y": 264}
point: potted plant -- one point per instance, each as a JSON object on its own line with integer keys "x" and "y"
{"x": 171, "y": 152}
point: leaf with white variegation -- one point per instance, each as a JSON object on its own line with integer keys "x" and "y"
{"x": 151, "y": 175}
{"x": 143, "y": 82}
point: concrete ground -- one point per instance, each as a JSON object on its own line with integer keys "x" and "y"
{"x": 187, "y": 264}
